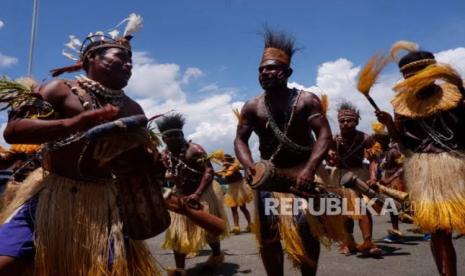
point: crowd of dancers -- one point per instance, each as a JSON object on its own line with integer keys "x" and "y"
{"x": 85, "y": 182}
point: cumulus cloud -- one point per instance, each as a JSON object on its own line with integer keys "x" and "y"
{"x": 159, "y": 88}
{"x": 191, "y": 73}
{"x": 454, "y": 57}
{"x": 7, "y": 61}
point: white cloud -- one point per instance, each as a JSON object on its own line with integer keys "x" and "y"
{"x": 1, "y": 24}
{"x": 140, "y": 58}
{"x": 191, "y": 73}
{"x": 454, "y": 57}
{"x": 210, "y": 88}
{"x": 7, "y": 61}
{"x": 159, "y": 88}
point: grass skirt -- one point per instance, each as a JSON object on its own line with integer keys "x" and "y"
{"x": 327, "y": 229}
{"x": 184, "y": 236}
{"x": 78, "y": 230}
{"x": 436, "y": 184}
{"x": 239, "y": 193}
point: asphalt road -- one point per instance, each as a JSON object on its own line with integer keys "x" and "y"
{"x": 410, "y": 258}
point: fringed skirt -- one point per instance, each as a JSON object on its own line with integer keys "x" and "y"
{"x": 436, "y": 184}
{"x": 184, "y": 236}
{"x": 78, "y": 229}
{"x": 239, "y": 193}
{"x": 327, "y": 229}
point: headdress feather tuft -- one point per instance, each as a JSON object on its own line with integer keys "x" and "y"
{"x": 134, "y": 24}
{"x": 237, "y": 113}
{"x": 402, "y": 45}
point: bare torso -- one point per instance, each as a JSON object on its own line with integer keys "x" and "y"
{"x": 298, "y": 131}
{"x": 64, "y": 161}
{"x": 187, "y": 168}
{"x": 350, "y": 150}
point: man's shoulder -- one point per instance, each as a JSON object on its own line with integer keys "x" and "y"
{"x": 367, "y": 138}
{"x": 253, "y": 102}
{"x": 56, "y": 89}
{"x": 250, "y": 106}
{"x": 56, "y": 85}
{"x": 309, "y": 97}
{"x": 132, "y": 107}
{"x": 196, "y": 148}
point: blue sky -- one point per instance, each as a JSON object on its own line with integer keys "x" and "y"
{"x": 220, "y": 39}
{"x": 224, "y": 34}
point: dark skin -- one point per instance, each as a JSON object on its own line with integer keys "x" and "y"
{"x": 189, "y": 153}
{"x": 342, "y": 144}
{"x": 273, "y": 77}
{"x": 112, "y": 69}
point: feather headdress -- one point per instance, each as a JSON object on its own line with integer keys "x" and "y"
{"x": 447, "y": 92}
{"x": 402, "y": 45}
{"x": 79, "y": 51}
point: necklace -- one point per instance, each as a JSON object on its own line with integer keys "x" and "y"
{"x": 111, "y": 96}
{"x": 176, "y": 164}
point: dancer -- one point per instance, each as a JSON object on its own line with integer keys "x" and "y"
{"x": 284, "y": 120}
{"x": 429, "y": 124}
{"x": 192, "y": 175}
{"x": 347, "y": 154}
{"x": 238, "y": 194}
{"x": 67, "y": 220}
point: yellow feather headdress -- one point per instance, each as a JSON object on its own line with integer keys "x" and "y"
{"x": 402, "y": 45}
{"x": 428, "y": 76}
{"x": 447, "y": 94}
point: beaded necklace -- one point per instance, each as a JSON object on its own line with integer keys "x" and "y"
{"x": 94, "y": 88}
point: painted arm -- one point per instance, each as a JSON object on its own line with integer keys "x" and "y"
{"x": 38, "y": 131}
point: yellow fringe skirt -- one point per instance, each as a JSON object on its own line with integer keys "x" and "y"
{"x": 184, "y": 236}
{"x": 239, "y": 193}
{"x": 436, "y": 184}
{"x": 327, "y": 229}
{"x": 78, "y": 230}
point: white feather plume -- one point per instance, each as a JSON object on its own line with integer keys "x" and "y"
{"x": 101, "y": 34}
{"x": 114, "y": 34}
{"x": 74, "y": 44}
{"x": 134, "y": 24}
{"x": 70, "y": 56}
